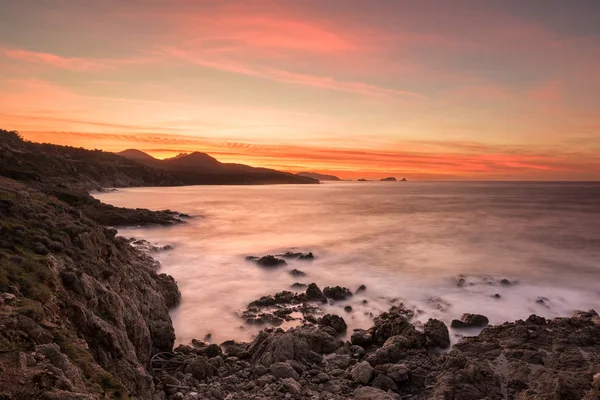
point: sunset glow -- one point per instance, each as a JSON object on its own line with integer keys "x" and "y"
{"x": 438, "y": 91}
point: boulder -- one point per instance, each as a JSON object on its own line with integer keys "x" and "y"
{"x": 314, "y": 293}
{"x": 281, "y": 370}
{"x": 436, "y": 334}
{"x": 470, "y": 321}
{"x": 291, "y": 385}
{"x": 200, "y": 368}
{"x": 297, "y": 272}
{"x": 396, "y": 322}
{"x": 361, "y": 337}
{"x": 360, "y": 289}
{"x": 334, "y": 321}
{"x": 362, "y": 373}
{"x": 337, "y": 293}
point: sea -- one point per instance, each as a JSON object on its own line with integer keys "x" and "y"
{"x": 502, "y": 249}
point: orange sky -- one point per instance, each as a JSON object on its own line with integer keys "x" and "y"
{"x": 469, "y": 90}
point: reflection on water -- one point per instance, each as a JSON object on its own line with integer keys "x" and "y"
{"x": 407, "y": 242}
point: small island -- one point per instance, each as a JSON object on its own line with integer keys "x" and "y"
{"x": 390, "y": 179}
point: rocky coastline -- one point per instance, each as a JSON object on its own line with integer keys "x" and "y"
{"x": 84, "y": 314}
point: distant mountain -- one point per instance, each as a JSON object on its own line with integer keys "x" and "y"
{"x": 390, "y": 179}
{"x": 201, "y": 169}
{"x": 136, "y": 155}
{"x": 321, "y": 177}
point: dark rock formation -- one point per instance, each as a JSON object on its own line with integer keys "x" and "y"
{"x": 269, "y": 261}
{"x": 337, "y": 293}
{"x": 470, "y": 321}
{"x": 389, "y": 179}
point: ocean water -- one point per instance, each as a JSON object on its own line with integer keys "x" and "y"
{"x": 407, "y": 242}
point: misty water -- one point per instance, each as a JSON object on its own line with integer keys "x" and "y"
{"x": 407, "y": 242}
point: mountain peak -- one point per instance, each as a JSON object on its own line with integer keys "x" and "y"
{"x": 134, "y": 154}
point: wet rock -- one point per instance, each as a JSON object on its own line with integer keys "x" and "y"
{"x": 298, "y": 255}
{"x": 297, "y": 272}
{"x": 270, "y": 261}
{"x": 210, "y": 351}
{"x": 395, "y": 322}
{"x": 505, "y": 282}
{"x": 360, "y": 289}
{"x": 470, "y": 321}
{"x": 283, "y": 370}
{"x": 436, "y": 334}
{"x": 543, "y": 301}
{"x": 348, "y": 309}
{"x": 299, "y": 286}
{"x": 370, "y": 393}
{"x": 314, "y": 293}
{"x": 362, "y": 373}
{"x": 337, "y": 293}
{"x": 497, "y": 296}
{"x": 334, "y": 321}
{"x": 361, "y": 337}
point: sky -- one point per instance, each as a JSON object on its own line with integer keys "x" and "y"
{"x": 427, "y": 90}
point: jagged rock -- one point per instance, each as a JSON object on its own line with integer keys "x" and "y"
{"x": 303, "y": 344}
{"x": 297, "y": 272}
{"x": 210, "y": 351}
{"x": 337, "y": 293}
{"x": 395, "y": 322}
{"x": 436, "y": 334}
{"x": 334, "y": 321}
{"x": 360, "y": 289}
{"x": 470, "y": 321}
{"x": 283, "y": 370}
{"x": 314, "y": 293}
{"x": 361, "y": 337}
{"x": 270, "y": 261}
{"x": 299, "y": 286}
{"x": 362, "y": 373}
{"x": 370, "y": 393}
{"x": 299, "y": 256}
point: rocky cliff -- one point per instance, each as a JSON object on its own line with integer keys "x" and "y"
{"x": 81, "y": 310}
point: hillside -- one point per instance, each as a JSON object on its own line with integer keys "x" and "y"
{"x": 321, "y": 177}
{"x": 201, "y": 169}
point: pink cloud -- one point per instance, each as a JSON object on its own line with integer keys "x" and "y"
{"x": 279, "y": 75}
{"x": 53, "y": 60}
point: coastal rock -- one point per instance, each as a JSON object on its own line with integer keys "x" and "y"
{"x": 361, "y": 337}
{"x": 470, "y": 321}
{"x": 297, "y": 272}
{"x": 436, "y": 334}
{"x": 384, "y": 383}
{"x": 337, "y": 293}
{"x": 298, "y": 286}
{"x": 269, "y": 261}
{"x": 314, "y": 293}
{"x": 299, "y": 256}
{"x": 395, "y": 322}
{"x": 362, "y": 373}
{"x": 334, "y": 321}
{"x": 303, "y": 344}
{"x": 281, "y": 370}
{"x": 360, "y": 289}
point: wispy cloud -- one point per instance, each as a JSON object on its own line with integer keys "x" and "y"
{"x": 53, "y": 60}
